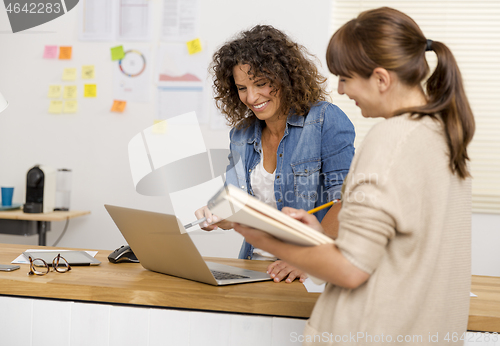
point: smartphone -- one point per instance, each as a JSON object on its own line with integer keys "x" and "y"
{"x": 8, "y": 267}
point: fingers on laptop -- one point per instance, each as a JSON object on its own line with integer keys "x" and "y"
{"x": 280, "y": 270}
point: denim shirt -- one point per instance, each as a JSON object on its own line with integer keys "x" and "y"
{"x": 313, "y": 158}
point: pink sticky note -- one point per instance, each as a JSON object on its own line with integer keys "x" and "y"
{"x": 50, "y": 52}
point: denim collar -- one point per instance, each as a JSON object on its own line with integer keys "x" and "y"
{"x": 258, "y": 125}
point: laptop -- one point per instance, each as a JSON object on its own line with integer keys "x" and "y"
{"x": 162, "y": 245}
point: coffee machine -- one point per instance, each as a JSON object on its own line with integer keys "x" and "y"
{"x": 40, "y": 190}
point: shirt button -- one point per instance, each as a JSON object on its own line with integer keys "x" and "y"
{"x": 279, "y": 200}
{"x": 249, "y": 170}
{"x": 249, "y": 257}
{"x": 305, "y": 171}
{"x": 281, "y": 155}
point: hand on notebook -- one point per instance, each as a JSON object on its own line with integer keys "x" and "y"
{"x": 304, "y": 217}
{"x": 212, "y": 222}
{"x": 280, "y": 270}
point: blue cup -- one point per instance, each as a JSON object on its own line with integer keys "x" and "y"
{"x": 7, "y": 193}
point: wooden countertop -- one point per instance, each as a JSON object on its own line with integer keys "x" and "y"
{"x": 484, "y": 311}
{"x": 18, "y": 214}
{"x": 130, "y": 283}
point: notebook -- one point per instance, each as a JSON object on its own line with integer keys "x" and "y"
{"x": 162, "y": 245}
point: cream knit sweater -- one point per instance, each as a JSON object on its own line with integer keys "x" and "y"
{"x": 405, "y": 220}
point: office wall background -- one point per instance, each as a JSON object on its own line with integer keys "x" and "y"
{"x": 93, "y": 142}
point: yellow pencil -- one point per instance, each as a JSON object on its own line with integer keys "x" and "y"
{"x": 326, "y": 205}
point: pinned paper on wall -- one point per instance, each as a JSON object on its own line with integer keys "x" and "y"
{"x": 182, "y": 82}
{"x": 194, "y": 46}
{"x": 118, "y": 106}
{"x": 54, "y": 91}
{"x": 181, "y": 20}
{"x": 135, "y": 20}
{"x": 97, "y": 20}
{"x": 88, "y": 72}
{"x": 131, "y": 76}
{"x": 117, "y": 53}
{"x": 159, "y": 127}
{"x": 70, "y": 106}
{"x": 69, "y": 92}
{"x": 65, "y": 53}
{"x": 90, "y": 90}
{"x": 69, "y": 74}
{"x": 55, "y": 107}
{"x": 50, "y": 52}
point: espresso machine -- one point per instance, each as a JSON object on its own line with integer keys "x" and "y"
{"x": 40, "y": 190}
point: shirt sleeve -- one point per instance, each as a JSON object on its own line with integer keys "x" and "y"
{"x": 337, "y": 149}
{"x": 233, "y": 158}
{"x": 366, "y": 226}
{"x": 371, "y": 203}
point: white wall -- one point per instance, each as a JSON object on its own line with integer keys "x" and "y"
{"x": 93, "y": 143}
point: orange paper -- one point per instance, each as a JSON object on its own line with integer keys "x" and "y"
{"x": 65, "y": 53}
{"x": 118, "y": 106}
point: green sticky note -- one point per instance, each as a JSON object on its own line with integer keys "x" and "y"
{"x": 117, "y": 53}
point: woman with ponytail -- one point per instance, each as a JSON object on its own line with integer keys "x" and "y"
{"x": 399, "y": 270}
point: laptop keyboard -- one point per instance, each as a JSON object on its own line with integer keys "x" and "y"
{"x": 225, "y": 276}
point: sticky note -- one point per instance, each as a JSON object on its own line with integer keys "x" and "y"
{"x": 118, "y": 106}
{"x": 65, "y": 53}
{"x": 70, "y": 106}
{"x": 117, "y": 53}
{"x": 50, "y": 52}
{"x": 90, "y": 90}
{"x": 55, "y": 107}
{"x": 69, "y": 92}
{"x": 54, "y": 91}
{"x": 69, "y": 74}
{"x": 194, "y": 46}
{"x": 88, "y": 72}
{"x": 159, "y": 127}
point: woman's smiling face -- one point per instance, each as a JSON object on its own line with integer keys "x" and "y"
{"x": 256, "y": 93}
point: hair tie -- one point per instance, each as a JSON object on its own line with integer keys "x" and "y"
{"x": 429, "y": 46}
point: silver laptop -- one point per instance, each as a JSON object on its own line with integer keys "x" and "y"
{"x": 162, "y": 245}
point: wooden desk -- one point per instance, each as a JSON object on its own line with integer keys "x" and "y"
{"x": 130, "y": 283}
{"x": 20, "y": 223}
{"x": 133, "y": 285}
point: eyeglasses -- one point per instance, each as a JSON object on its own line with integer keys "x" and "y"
{"x": 59, "y": 264}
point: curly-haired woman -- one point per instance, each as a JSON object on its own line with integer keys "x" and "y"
{"x": 294, "y": 148}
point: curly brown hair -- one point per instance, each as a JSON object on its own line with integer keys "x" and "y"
{"x": 271, "y": 54}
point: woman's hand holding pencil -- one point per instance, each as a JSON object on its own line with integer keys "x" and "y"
{"x": 321, "y": 207}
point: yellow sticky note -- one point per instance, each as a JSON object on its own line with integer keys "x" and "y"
{"x": 88, "y": 72}
{"x": 69, "y": 74}
{"x": 118, "y": 106}
{"x": 65, "y": 53}
{"x": 70, "y": 106}
{"x": 55, "y": 107}
{"x": 194, "y": 46}
{"x": 69, "y": 92}
{"x": 159, "y": 127}
{"x": 90, "y": 90}
{"x": 54, "y": 91}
